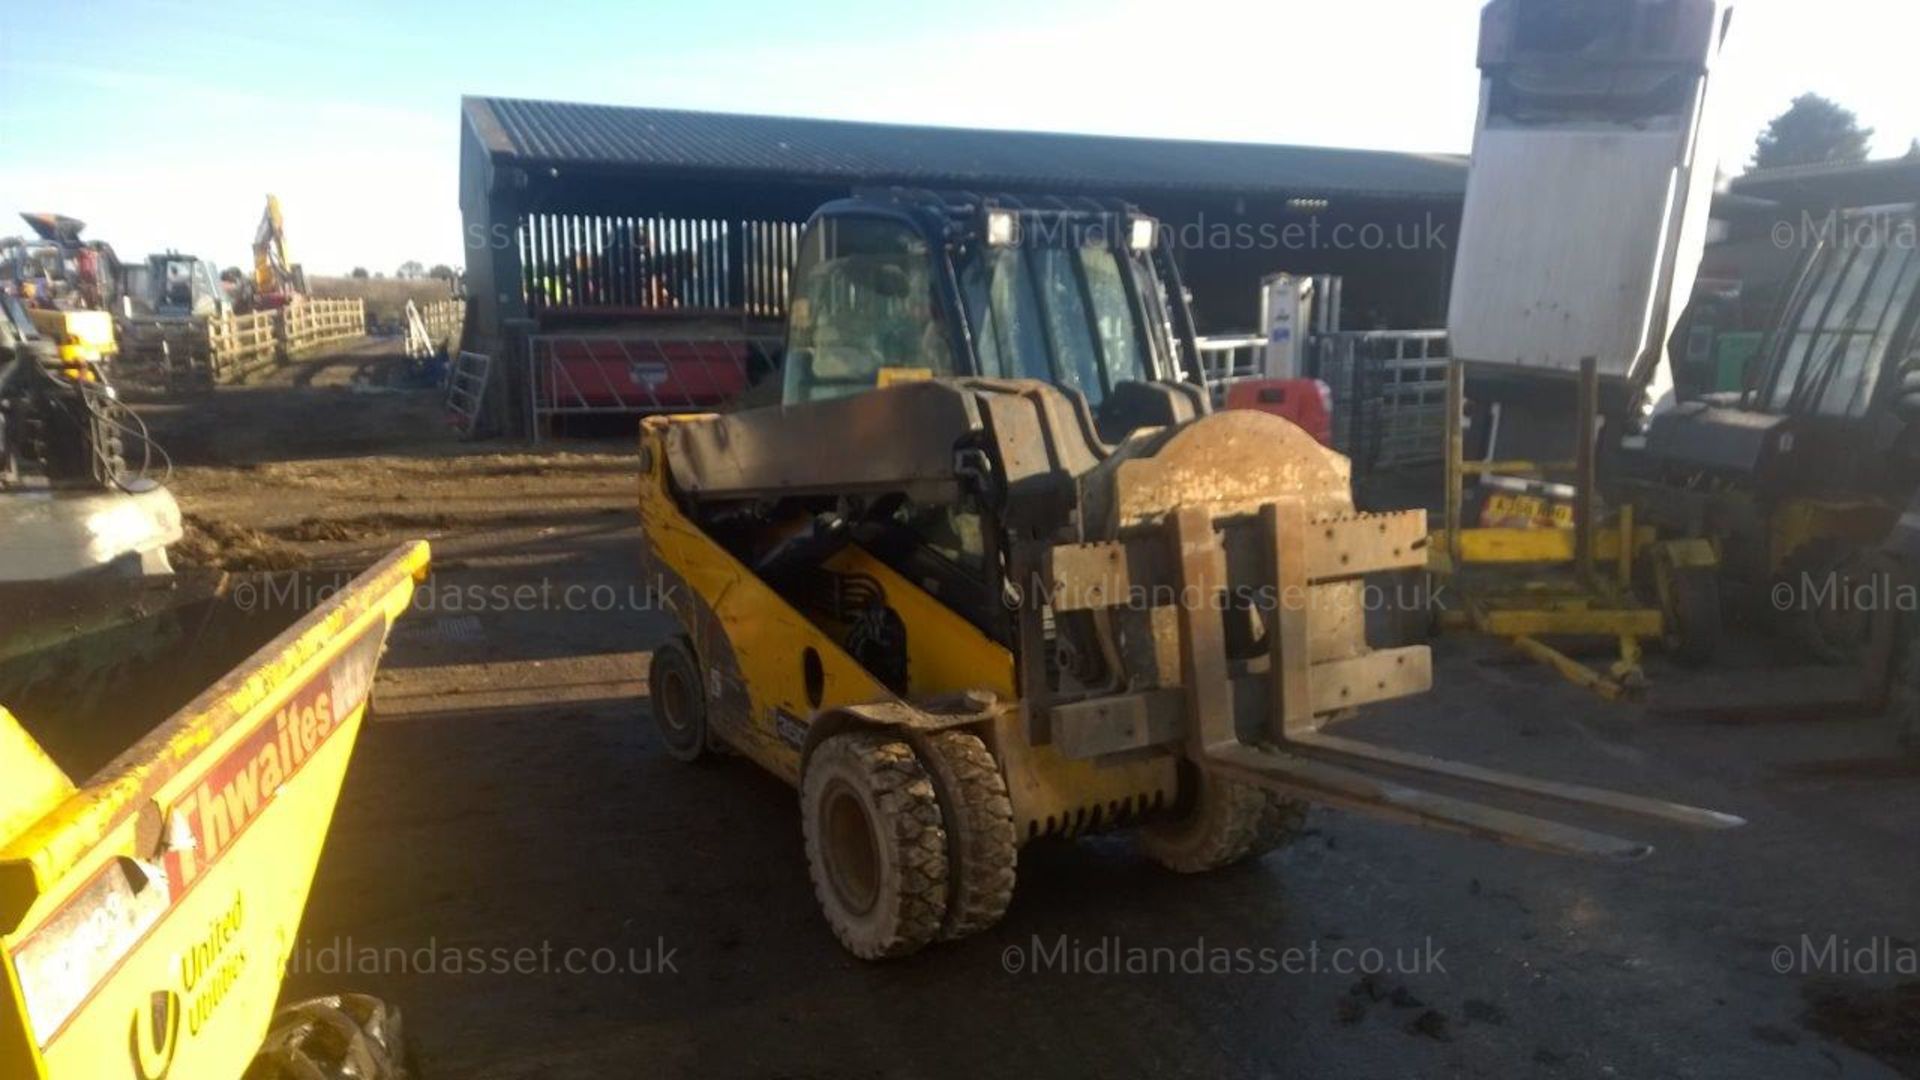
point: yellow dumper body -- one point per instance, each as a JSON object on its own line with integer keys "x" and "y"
{"x": 147, "y": 913}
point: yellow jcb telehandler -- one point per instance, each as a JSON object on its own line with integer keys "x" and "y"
{"x": 991, "y": 570}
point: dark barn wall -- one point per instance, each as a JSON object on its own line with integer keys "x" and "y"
{"x": 1395, "y": 255}
{"x": 609, "y": 190}
{"x": 491, "y": 200}
{"x": 633, "y": 223}
{"x": 476, "y": 174}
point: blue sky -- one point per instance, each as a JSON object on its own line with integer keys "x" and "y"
{"x": 164, "y": 123}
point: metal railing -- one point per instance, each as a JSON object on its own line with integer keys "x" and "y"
{"x": 1389, "y": 388}
{"x": 610, "y": 375}
{"x": 467, "y": 391}
{"x": 419, "y": 344}
{"x": 597, "y": 261}
{"x": 1229, "y": 358}
{"x": 1390, "y": 394}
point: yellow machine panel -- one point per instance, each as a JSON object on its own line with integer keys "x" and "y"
{"x": 81, "y": 336}
{"x": 146, "y": 917}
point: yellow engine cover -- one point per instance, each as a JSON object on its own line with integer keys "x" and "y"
{"x": 82, "y": 336}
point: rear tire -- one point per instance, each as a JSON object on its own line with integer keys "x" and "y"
{"x": 338, "y": 1037}
{"x": 1832, "y": 634}
{"x": 981, "y": 852}
{"x": 1227, "y": 822}
{"x": 876, "y": 844}
{"x": 678, "y": 700}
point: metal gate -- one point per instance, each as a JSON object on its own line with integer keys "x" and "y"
{"x": 655, "y": 264}
{"x": 613, "y": 375}
{"x": 1390, "y": 394}
{"x": 467, "y": 391}
{"x": 1230, "y": 358}
{"x": 1389, "y": 388}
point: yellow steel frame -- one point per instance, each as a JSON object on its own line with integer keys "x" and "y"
{"x": 750, "y": 635}
{"x": 1598, "y": 602}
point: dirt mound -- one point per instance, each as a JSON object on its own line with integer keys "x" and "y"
{"x": 224, "y": 545}
{"x": 324, "y": 529}
{"x": 308, "y": 530}
{"x": 1881, "y": 1021}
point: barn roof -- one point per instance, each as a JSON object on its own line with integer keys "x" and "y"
{"x": 550, "y": 134}
{"x": 1862, "y": 183}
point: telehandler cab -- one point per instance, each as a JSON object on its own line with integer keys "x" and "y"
{"x": 992, "y": 570}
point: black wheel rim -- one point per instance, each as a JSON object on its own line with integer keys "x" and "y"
{"x": 673, "y": 699}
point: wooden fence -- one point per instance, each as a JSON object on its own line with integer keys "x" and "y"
{"x": 240, "y": 344}
{"x": 433, "y": 329}
{"x": 310, "y": 324}
{"x": 444, "y": 319}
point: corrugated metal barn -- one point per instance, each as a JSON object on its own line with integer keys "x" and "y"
{"x": 630, "y": 224}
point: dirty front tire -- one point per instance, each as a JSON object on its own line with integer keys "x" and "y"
{"x": 1693, "y": 624}
{"x": 338, "y": 1037}
{"x": 1226, "y": 822}
{"x": 980, "y": 834}
{"x": 677, "y": 699}
{"x": 876, "y": 844}
{"x": 1280, "y": 824}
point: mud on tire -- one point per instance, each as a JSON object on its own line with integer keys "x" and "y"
{"x": 1280, "y": 824}
{"x": 981, "y": 849}
{"x": 1225, "y": 823}
{"x": 337, "y": 1037}
{"x": 876, "y": 844}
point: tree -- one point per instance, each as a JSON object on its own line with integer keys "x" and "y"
{"x": 1813, "y": 131}
{"x": 442, "y": 272}
{"x": 410, "y": 270}
{"x": 360, "y": 272}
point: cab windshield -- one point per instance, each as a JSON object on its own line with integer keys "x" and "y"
{"x": 862, "y": 313}
{"x": 1858, "y": 299}
{"x": 1063, "y": 314}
